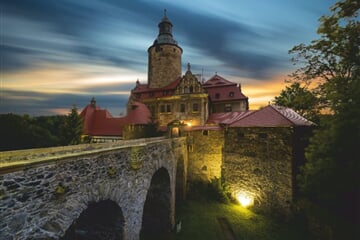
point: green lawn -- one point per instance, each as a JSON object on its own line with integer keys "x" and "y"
{"x": 199, "y": 221}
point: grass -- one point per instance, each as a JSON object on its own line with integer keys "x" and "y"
{"x": 199, "y": 221}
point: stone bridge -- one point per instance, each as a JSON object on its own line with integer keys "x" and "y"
{"x": 67, "y": 192}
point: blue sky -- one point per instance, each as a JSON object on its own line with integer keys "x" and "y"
{"x": 55, "y": 53}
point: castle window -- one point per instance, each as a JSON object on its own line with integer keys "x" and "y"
{"x": 217, "y": 95}
{"x": 162, "y": 108}
{"x": 168, "y": 108}
{"x": 228, "y": 108}
{"x": 263, "y": 135}
{"x": 191, "y": 89}
{"x": 186, "y": 90}
{"x": 205, "y": 133}
{"x": 231, "y": 94}
{"x": 182, "y": 108}
{"x": 195, "y": 107}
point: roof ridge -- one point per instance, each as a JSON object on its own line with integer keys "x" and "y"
{"x": 282, "y": 115}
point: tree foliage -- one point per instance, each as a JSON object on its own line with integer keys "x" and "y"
{"x": 331, "y": 63}
{"x": 72, "y": 128}
{"x": 22, "y": 132}
{"x": 300, "y": 99}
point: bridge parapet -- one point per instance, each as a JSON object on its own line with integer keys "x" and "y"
{"x": 18, "y": 159}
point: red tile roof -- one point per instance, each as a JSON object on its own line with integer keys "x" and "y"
{"x": 143, "y": 90}
{"x": 139, "y": 114}
{"x": 99, "y": 122}
{"x": 220, "y": 89}
{"x": 272, "y": 116}
{"x": 226, "y": 117}
{"x": 217, "y": 80}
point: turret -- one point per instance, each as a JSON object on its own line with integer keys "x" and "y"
{"x": 164, "y": 64}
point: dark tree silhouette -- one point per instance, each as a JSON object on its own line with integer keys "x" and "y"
{"x": 330, "y": 178}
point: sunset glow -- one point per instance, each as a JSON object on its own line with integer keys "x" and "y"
{"x": 75, "y": 51}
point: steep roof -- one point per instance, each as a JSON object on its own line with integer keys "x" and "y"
{"x": 226, "y": 117}
{"x": 143, "y": 91}
{"x": 139, "y": 114}
{"x": 272, "y": 116}
{"x": 217, "y": 80}
{"x": 220, "y": 89}
{"x": 99, "y": 122}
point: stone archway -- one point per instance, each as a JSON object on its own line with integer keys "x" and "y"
{"x": 156, "y": 220}
{"x": 101, "y": 220}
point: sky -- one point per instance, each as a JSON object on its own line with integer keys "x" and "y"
{"x": 57, "y": 53}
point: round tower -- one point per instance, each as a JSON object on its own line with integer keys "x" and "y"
{"x": 164, "y": 64}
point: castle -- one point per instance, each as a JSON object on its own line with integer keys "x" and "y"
{"x": 256, "y": 152}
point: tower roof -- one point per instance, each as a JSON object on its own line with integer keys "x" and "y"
{"x": 165, "y": 32}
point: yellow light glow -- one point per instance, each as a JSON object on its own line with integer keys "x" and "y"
{"x": 244, "y": 199}
{"x": 189, "y": 124}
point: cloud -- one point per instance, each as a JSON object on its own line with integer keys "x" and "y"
{"x": 83, "y": 31}
{"x": 35, "y": 103}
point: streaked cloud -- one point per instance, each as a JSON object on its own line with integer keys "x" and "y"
{"x": 60, "y": 52}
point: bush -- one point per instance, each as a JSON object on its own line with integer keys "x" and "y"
{"x": 215, "y": 190}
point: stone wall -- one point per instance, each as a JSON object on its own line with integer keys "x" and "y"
{"x": 40, "y": 201}
{"x": 164, "y": 64}
{"x": 258, "y": 163}
{"x": 205, "y": 154}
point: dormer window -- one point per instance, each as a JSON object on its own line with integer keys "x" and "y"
{"x": 231, "y": 94}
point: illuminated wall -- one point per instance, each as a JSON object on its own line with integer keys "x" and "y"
{"x": 258, "y": 165}
{"x": 205, "y": 154}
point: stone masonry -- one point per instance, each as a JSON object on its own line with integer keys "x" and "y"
{"x": 41, "y": 200}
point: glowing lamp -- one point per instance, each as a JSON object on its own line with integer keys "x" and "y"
{"x": 244, "y": 199}
{"x": 189, "y": 124}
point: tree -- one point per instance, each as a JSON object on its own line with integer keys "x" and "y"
{"x": 72, "y": 128}
{"x": 300, "y": 99}
{"x": 22, "y": 132}
{"x": 329, "y": 179}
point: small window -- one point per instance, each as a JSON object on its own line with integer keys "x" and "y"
{"x": 162, "y": 108}
{"x": 168, "y": 108}
{"x": 217, "y": 95}
{"x": 186, "y": 90}
{"x": 228, "y": 108}
{"x": 195, "y": 107}
{"x": 182, "y": 108}
{"x": 231, "y": 94}
{"x": 263, "y": 135}
{"x": 205, "y": 133}
{"x": 191, "y": 89}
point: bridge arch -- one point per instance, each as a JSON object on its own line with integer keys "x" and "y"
{"x": 100, "y": 220}
{"x": 59, "y": 187}
{"x": 157, "y": 212}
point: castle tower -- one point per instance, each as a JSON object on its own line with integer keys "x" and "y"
{"x": 164, "y": 64}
